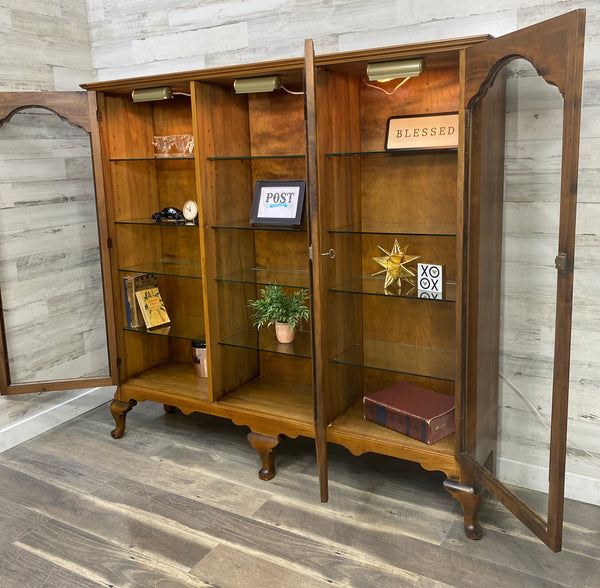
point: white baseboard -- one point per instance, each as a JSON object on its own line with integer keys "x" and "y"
{"x": 36, "y": 423}
{"x": 577, "y": 487}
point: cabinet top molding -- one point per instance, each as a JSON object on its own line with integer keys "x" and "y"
{"x": 440, "y": 53}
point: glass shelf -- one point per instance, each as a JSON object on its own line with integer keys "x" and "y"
{"x": 412, "y": 360}
{"x": 437, "y": 230}
{"x": 167, "y": 267}
{"x": 266, "y": 276}
{"x": 253, "y": 157}
{"x": 152, "y": 158}
{"x": 393, "y": 152}
{"x": 264, "y": 340}
{"x": 153, "y": 223}
{"x": 181, "y": 327}
{"x": 246, "y": 226}
{"x": 373, "y": 286}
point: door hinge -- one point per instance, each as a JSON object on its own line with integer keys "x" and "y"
{"x": 560, "y": 262}
{"x": 98, "y": 116}
{"x": 119, "y": 362}
{"x": 109, "y": 243}
{"x": 310, "y": 252}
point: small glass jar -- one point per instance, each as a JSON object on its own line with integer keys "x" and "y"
{"x": 199, "y": 358}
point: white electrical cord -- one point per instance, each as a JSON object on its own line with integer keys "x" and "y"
{"x": 385, "y": 91}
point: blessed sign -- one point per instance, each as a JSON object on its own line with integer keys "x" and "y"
{"x": 438, "y": 131}
{"x": 278, "y": 202}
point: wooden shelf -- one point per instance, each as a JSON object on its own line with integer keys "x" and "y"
{"x": 217, "y": 158}
{"x": 267, "y": 276}
{"x": 400, "y": 358}
{"x": 154, "y": 158}
{"x": 167, "y": 267}
{"x": 373, "y": 286}
{"x": 357, "y": 434}
{"x": 244, "y": 225}
{"x": 273, "y": 398}
{"x": 398, "y": 228}
{"x": 264, "y": 340}
{"x": 175, "y": 379}
{"x": 392, "y": 152}
{"x": 149, "y": 221}
{"x": 181, "y": 327}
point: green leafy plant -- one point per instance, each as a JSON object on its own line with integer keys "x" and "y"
{"x": 277, "y": 306}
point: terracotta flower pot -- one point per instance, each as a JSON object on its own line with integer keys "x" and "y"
{"x": 283, "y": 333}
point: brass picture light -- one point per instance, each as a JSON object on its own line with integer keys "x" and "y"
{"x": 150, "y": 94}
{"x": 385, "y": 71}
{"x": 252, "y": 85}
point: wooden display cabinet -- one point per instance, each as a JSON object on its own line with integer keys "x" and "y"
{"x": 328, "y": 127}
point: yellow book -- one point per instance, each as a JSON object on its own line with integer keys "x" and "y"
{"x": 152, "y": 307}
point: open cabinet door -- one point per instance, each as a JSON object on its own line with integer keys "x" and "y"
{"x": 521, "y": 103}
{"x": 316, "y": 282}
{"x": 54, "y": 333}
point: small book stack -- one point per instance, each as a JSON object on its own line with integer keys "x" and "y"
{"x": 132, "y": 284}
{"x": 417, "y": 412}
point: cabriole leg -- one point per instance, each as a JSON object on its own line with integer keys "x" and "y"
{"x": 119, "y": 410}
{"x": 470, "y": 499}
{"x": 264, "y": 445}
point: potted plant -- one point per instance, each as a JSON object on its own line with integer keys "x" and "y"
{"x": 277, "y": 307}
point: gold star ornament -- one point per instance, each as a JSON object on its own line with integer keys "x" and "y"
{"x": 394, "y": 265}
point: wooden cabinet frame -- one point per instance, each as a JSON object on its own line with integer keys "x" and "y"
{"x": 331, "y": 137}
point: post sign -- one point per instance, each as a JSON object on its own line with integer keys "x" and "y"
{"x": 437, "y": 131}
{"x": 278, "y": 202}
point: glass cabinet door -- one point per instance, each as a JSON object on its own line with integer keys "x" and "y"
{"x": 54, "y": 330}
{"x": 522, "y": 108}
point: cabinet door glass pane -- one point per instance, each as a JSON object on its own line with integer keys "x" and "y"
{"x": 51, "y": 277}
{"x": 529, "y": 244}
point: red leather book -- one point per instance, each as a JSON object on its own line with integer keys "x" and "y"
{"x": 417, "y": 412}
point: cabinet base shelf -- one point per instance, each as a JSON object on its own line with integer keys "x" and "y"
{"x": 268, "y": 406}
{"x": 358, "y": 435}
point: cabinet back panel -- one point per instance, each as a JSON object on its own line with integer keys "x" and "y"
{"x": 281, "y": 250}
{"x": 142, "y": 352}
{"x": 229, "y": 189}
{"x": 276, "y": 123}
{"x": 233, "y": 311}
{"x": 412, "y": 322}
{"x": 288, "y": 369}
{"x": 135, "y": 190}
{"x": 136, "y": 244}
{"x": 238, "y": 367}
{"x": 129, "y": 127}
{"x": 176, "y": 183}
{"x": 180, "y": 243}
{"x": 172, "y": 117}
{"x": 417, "y": 187}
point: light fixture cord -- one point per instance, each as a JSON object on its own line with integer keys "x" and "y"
{"x": 181, "y": 94}
{"x": 385, "y": 91}
{"x": 290, "y": 91}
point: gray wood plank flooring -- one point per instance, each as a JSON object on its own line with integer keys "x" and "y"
{"x": 177, "y": 502}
